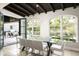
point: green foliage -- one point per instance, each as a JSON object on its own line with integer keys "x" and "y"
{"x": 68, "y": 28}
{"x": 33, "y": 27}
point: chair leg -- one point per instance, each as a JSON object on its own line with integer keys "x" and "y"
{"x": 63, "y": 53}
{"x": 32, "y": 50}
{"x": 27, "y": 48}
{"x": 41, "y": 53}
{"x": 23, "y": 49}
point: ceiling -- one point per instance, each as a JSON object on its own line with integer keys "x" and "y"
{"x": 3, "y": 5}
{"x": 26, "y": 9}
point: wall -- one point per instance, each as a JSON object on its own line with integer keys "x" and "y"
{"x": 15, "y": 26}
{"x": 3, "y": 5}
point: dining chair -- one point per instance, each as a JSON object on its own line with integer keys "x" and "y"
{"x": 28, "y": 46}
{"x": 37, "y": 45}
{"x": 59, "y": 47}
{"x": 31, "y": 45}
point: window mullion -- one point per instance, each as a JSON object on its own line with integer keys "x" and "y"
{"x": 61, "y": 28}
{"x": 32, "y": 27}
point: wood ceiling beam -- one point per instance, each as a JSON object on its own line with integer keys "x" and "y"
{"x": 16, "y": 10}
{"x": 62, "y": 6}
{"x": 28, "y": 5}
{"x": 41, "y": 7}
{"x": 33, "y": 8}
{"x": 26, "y": 8}
{"x": 21, "y": 8}
{"x": 74, "y": 5}
{"x": 51, "y": 5}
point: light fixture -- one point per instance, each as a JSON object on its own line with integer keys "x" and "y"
{"x": 37, "y": 5}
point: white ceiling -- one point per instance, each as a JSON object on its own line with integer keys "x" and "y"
{"x": 2, "y": 5}
{"x": 6, "y": 12}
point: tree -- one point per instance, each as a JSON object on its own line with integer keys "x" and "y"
{"x": 68, "y": 27}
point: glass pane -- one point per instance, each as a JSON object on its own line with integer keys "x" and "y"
{"x": 1, "y": 31}
{"x": 69, "y": 24}
{"x": 29, "y": 32}
{"x": 29, "y": 29}
{"x": 22, "y": 29}
{"x": 55, "y": 29}
{"x": 36, "y": 23}
{"x": 23, "y": 35}
{"x": 33, "y": 27}
{"x": 22, "y": 22}
{"x": 29, "y": 24}
{"x": 36, "y": 30}
{"x": 36, "y": 27}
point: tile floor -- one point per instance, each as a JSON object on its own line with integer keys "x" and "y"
{"x": 9, "y": 40}
{"x": 14, "y": 50}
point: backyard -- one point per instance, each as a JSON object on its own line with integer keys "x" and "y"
{"x": 68, "y": 26}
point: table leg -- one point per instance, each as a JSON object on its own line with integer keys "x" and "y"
{"x": 23, "y": 48}
{"x": 49, "y": 50}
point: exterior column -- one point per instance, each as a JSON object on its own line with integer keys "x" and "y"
{"x": 77, "y": 29}
{"x": 61, "y": 29}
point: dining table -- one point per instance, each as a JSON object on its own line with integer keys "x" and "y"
{"x": 49, "y": 44}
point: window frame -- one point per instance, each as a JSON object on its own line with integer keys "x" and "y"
{"x": 33, "y": 25}
{"x": 61, "y": 26}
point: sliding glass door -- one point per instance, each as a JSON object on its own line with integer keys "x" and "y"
{"x": 1, "y": 31}
{"x": 23, "y": 27}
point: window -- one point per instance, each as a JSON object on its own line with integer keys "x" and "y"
{"x": 36, "y": 27}
{"x": 23, "y": 32}
{"x": 33, "y": 28}
{"x": 1, "y": 30}
{"x": 55, "y": 28}
{"x": 29, "y": 28}
{"x": 68, "y": 28}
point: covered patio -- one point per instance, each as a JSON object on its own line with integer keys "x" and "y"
{"x": 54, "y": 25}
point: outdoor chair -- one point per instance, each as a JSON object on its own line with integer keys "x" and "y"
{"x": 59, "y": 47}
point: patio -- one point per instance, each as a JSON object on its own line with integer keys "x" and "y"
{"x": 56, "y": 24}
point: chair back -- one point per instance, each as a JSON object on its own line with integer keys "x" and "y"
{"x": 22, "y": 42}
{"x": 61, "y": 42}
{"x": 37, "y": 45}
{"x": 28, "y": 43}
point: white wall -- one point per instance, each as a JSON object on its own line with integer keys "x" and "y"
{"x": 44, "y": 19}
{"x": 3, "y": 5}
{"x": 15, "y": 26}
{"x": 8, "y": 13}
